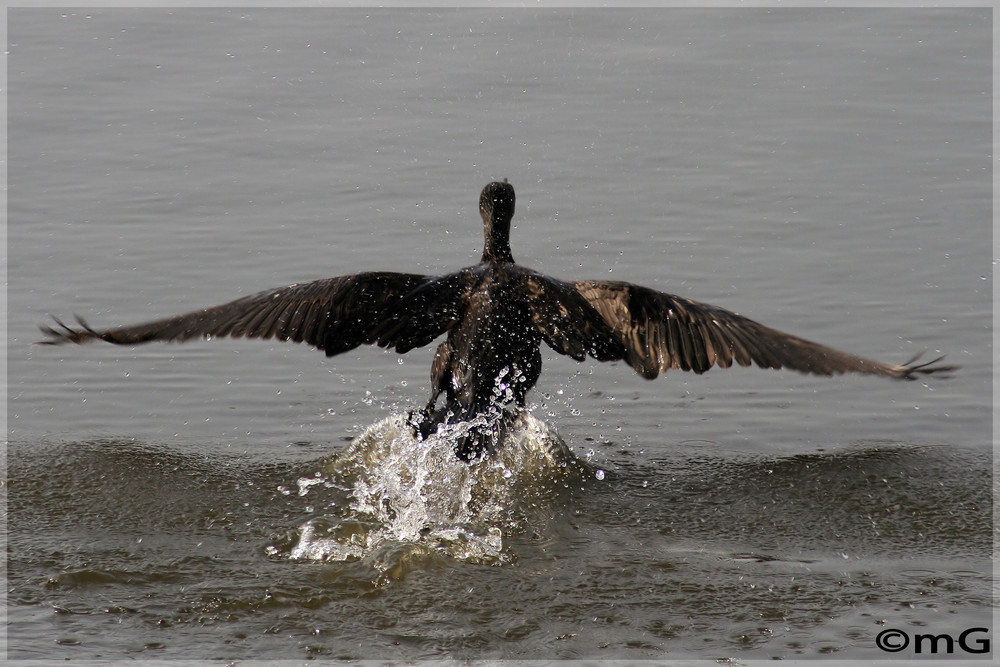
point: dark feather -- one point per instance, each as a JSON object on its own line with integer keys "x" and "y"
{"x": 568, "y": 323}
{"x": 661, "y": 332}
{"x": 334, "y": 315}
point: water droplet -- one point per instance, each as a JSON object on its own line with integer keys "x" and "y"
{"x": 599, "y": 474}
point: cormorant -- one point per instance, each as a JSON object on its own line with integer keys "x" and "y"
{"x": 496, "y": 314}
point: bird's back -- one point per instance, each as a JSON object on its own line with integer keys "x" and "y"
{"x": 493, "y": 349}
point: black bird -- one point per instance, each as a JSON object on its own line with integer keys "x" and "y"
{"x": 496, "y": 314}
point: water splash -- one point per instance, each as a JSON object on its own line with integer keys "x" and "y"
{"x": 410, "y": 497}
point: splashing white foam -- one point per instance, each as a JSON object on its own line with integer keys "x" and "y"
{"x": 418, "y": 492}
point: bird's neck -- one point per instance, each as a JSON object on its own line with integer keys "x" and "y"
{"x": 496, "y": 246}
{"x": 497, "y": 254}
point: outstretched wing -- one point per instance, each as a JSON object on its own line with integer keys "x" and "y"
{"x": 567, "y": 322}
{"x": 661, "y": 331}
{"x": 334, "y": 315}
{"x": 425, "y": 312}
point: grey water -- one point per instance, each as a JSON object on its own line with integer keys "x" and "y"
{"x": 825, "y": 171}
